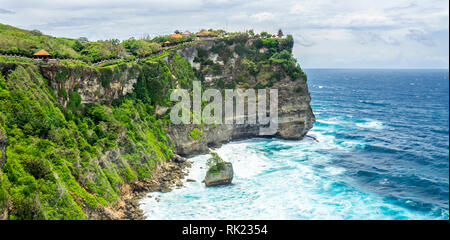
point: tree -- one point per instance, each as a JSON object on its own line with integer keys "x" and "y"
{"x": 177, "y": 32}
{"x": 286, "y": 43}
{"x": 258, "y": 43}
{"x": 77, "y": 46}
{"x": 36, "y": 32}
{"x": 115, "y": 42}
{"x": 83, "y": 39}
{"x": 265, "y": 34}
{"x": 280, "y": 33}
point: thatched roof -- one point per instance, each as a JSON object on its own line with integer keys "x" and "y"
{"x": 42, "y": 53}
{"x": 176, "y": 35}
{"x": 186, "y": 33}
{"x": 204, "y": 34}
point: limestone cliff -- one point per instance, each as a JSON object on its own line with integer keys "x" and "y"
{"x": 76, "y": 138}
{"x": 294, "y": 110}
{"x": 218, "y": 64}
{"x": 92, "y": 84}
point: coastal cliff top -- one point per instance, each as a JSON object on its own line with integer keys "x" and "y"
{"x": 19, "y": 45}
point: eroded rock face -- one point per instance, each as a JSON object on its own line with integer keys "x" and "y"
{"x": 295, "y": 116}
{"x": 224, "y": 176}
{"x": 91, "y": 84}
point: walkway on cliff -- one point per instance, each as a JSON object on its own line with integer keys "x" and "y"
{"x": 95, "y": 64}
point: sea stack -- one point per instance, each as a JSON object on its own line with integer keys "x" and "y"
{"x": 221, "y": 176}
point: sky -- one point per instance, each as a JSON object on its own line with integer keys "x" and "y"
{"x": 327, "y": 33}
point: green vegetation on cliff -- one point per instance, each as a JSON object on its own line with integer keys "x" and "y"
{"x": 215, "y": 163}
{"x": 265, "y": 58}
{"x": 25, "y": 42}
{"x": 16, "y": 41}
{"x": 59, "y": 165}
{"x": 64, "y": 157}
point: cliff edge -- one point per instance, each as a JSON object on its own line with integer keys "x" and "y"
{"x": 82, "y": 142}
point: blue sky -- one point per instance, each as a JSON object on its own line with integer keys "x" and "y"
{"x": 327, "y": 33}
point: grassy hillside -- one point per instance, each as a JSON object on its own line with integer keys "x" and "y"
{"x": 18, "y": 41}
{"x": 59, "y": 164}
{"x": 25, "y": 43}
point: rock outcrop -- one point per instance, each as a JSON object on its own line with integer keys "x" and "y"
{"x": 93, "y": 85}
{"x": 295, "y": 114}
{"x": 222, "y": 176}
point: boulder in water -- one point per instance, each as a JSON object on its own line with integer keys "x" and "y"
{"x": 219, "y": 175}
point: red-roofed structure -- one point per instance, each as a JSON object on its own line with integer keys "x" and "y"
{"x": 42, "y": 53}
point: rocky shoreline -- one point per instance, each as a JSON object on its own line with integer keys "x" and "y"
{"x": 166, "y": 176}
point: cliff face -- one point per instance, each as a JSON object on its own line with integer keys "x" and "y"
{"x": 295, "y": 120}
{"x": 295, "y": 115}
{"x": 93, "y": 85}
{"x": 219, "y": 66}
{"x": 78, "y": 135}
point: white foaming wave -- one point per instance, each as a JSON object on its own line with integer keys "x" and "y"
{"x": 329, "y": 122}
{"x": 373, "y": 124}
{"x": 335, "y": 170}
{"x": 245, "y": 165}
{"x": 353, "y": 144}
{"x": 328, "y": 142}
{"x": 198, "y": 167}
{"x": 286, "y": 185}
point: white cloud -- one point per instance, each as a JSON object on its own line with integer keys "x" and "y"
{"x": 4, "y": 11}
{"x": 333, "y": 33}
{"x": 421, "y": 37}
{"x": 262, "y": 16}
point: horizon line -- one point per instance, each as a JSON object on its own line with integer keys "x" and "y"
{"x": 377, "y": 68}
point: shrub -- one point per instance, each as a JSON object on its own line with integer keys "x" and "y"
{"x": 61, "y": 76}
{"x": 74, "y": 103}
{"x": 258, "y": 43}
{"x": 208, "y": 62}
{"x": 240, "y": 49}
{"x": 201, "y": 53}
{"x": 182, "y": 71}
{"x": 286, "y": 43}
{"x": 141, "y": 48}
{"x": 4, "y": 196}
{"x": 37, "y": 167}
{"x": 62, "y": 93}
{"x": 215, "y": 163}
{"x": 106, "y": 75}
{"x": 27, "y": 207}
{"x": 195, "y": 134}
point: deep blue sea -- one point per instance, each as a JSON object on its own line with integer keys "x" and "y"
{"x": 382, "y": 153}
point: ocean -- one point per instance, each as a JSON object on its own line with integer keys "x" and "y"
{"x": 382, "y": 153}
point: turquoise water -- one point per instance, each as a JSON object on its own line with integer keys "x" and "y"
{"x": 382, "y": 153}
